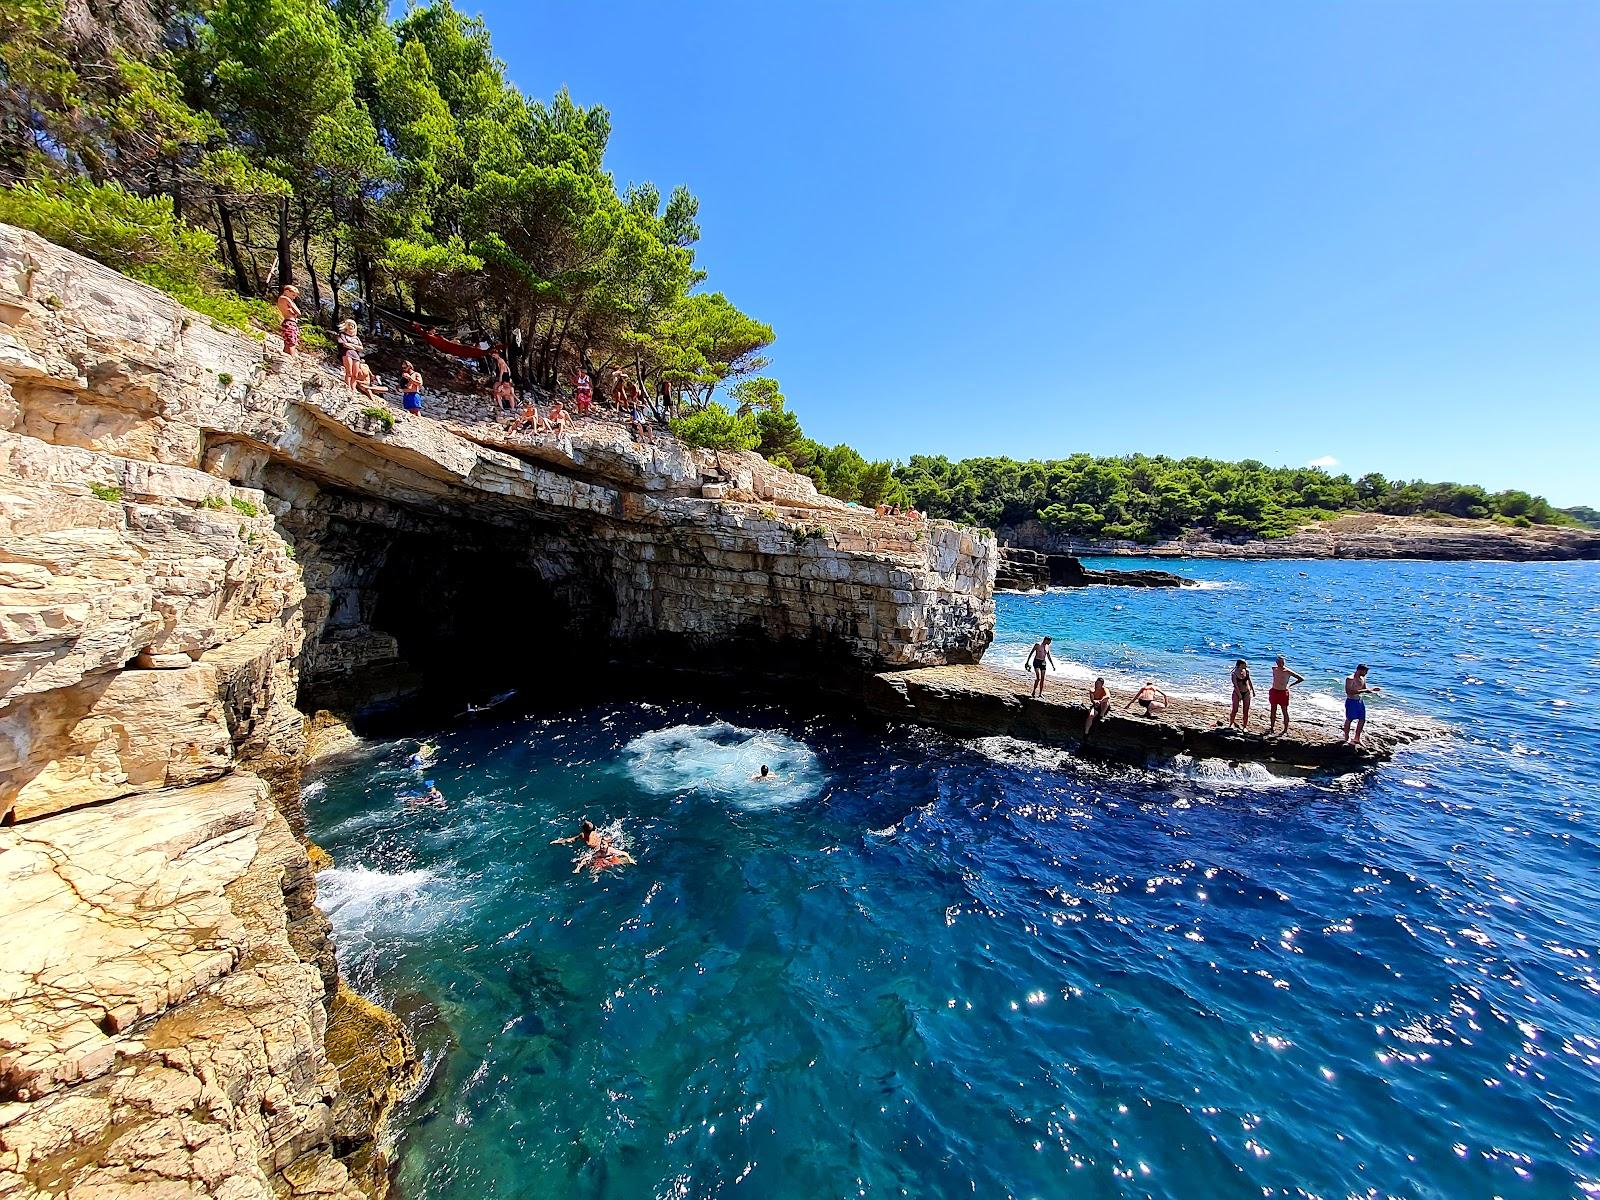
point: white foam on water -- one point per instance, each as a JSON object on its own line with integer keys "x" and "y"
{"x": 720, "y": 759}
{"x": 313, "y": 789}
{"x": 1230, "y": 776}
{"x": 358, "y": 900}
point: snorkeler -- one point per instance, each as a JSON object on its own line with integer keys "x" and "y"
{"x": 598, "y": 852}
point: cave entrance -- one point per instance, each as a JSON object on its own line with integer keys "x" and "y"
{"x": 454, "y": 614}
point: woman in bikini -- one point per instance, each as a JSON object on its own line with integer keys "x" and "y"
{"x": 1243, "y": 689}
{"x": 350, "y": 349}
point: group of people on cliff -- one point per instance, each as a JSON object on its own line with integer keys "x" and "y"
{"x": 1152, "y": 701}
{"x": 515, "y": 414}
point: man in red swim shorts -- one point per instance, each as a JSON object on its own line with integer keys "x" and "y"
{"x": 1278, "y": 695}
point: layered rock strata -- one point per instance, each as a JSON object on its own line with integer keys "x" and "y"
{"x": 197, "y": 535}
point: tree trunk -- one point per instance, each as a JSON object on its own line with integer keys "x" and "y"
{"x": 333, "y": 278}
{"x": 285, "y": 255}
{"x": 232, "y": 246}
{"x": 305, "y": 254}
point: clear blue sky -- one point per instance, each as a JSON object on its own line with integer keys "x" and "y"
{"x": 1368, "y": 231}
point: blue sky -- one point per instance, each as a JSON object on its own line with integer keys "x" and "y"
{"x": 1360, "y": 231}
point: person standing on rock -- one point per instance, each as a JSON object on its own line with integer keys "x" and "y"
{"x": 1037, "y": 658}
{"x": 1355, "y": 708}
{"x": 1244, "y": 690}
{"x": 582, "y": 392}
{"x": 290, "y": 312}
{"x": 1278, "y": 694}
{"x": 410, "y": 389}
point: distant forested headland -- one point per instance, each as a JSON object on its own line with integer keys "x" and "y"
{"x": 219, "y": 149}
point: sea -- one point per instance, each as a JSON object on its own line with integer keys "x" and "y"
{"x": 916, "y": 965}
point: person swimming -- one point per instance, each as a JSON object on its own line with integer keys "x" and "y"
{"x": 764, "y": 775}
{"x": 598, "y": 851}
{"x": 432, "y": 798}
{"x": 422, "y": 757}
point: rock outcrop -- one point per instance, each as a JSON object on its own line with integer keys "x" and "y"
{"x": 1355, "y": 535}
{"x": 200, "y": 536}
{"x": 1032, "y": 571}
{"x": 981, "y": 701}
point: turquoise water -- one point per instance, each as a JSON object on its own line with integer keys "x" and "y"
{"x": 925, "y": 967}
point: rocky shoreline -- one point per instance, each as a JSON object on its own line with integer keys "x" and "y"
{"x": 979, "y": 701}
{"x": 199, "y": 540}
{"x": 1355, "y": 535}
{"x": 1033, "y": 571}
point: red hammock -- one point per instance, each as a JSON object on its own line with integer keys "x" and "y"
{"x": 445, "y": 344}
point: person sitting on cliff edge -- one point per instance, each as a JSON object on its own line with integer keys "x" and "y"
{"x": 1099, "y": 705}
{"x": 1037, "y": 658}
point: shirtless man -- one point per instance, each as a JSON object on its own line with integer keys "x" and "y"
{"x": 764, "y": 775}
{"x": 1150, "y": 698}
{"x": 1355, "y": 708}
{"x": 1037, "y": 658}
{"x": 290, "y": 312}
{"x": 1278, "y": 694}
{"x": 598, "y": 853}
{"x": 1099, "y": 705}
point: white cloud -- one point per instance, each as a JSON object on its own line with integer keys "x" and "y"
{"x": 1327, "y": 461}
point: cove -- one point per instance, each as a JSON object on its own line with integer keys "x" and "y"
{"x": 939, "y": 967}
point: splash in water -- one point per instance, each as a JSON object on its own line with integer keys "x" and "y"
{"x": 725, "y": 761}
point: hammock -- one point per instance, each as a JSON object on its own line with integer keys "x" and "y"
{"x": 438, "y": 342}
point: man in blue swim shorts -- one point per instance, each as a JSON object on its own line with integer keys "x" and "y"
{"x": 1355, "y": 708}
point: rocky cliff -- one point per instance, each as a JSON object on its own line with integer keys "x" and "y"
{"x": 1355, "y": 535}
{"x": 199, "y": 538}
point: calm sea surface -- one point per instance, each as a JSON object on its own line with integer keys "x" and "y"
{"x": 925, "y": 967}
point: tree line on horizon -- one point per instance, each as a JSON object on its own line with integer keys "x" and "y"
{"x": 1144, "y": 498}
{"x": 217, "y": 149}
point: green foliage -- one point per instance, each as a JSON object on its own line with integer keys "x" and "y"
{"x": 107, "y": 223}
{"x": 106, "y": 492}
{"x": 1143, "y": 499}
{"x": 215, "y": 503}
{"x": 381, "y": 415}
{"x": 714, "y": 427}
{"x": 225, "y": 308}
{"x": 1582, "y": 514}
{"x": 224, "y": 378}
{"x": 243, "y": 507}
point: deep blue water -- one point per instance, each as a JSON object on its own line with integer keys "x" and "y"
{"x": 917, "y": 966}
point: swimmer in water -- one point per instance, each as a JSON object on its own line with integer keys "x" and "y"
{"x": 598, "y": 853}
{"x": 423, "y": 756}
{"x": 432, "y": 798}
{"x": 764, "y": 775}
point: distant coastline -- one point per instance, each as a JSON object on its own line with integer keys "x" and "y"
{"x": 1355, "y": 535}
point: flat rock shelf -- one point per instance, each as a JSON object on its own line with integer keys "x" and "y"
{"x": 981, "y": 701}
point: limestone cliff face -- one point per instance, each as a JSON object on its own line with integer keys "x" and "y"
{"x": 196, "y": 536}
